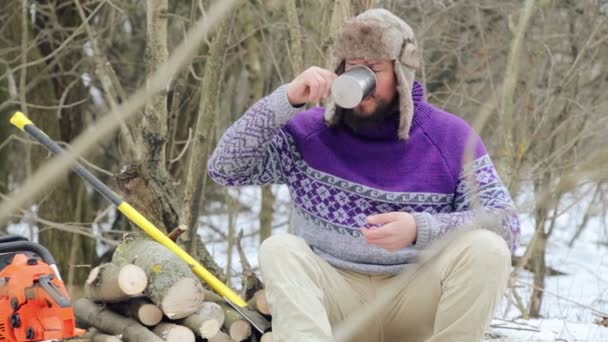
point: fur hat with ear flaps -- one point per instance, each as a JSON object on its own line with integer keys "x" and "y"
{"x": 377, "y": 34}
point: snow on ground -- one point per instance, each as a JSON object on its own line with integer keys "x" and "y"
{"x": 586, "y": 265}
{"x": 585, "y": 282}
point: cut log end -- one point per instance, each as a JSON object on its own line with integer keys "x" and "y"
{"x": 210, "y": 328}
{"x": 179, "y": 302}
{"x": 267, "y": 337}
{"x": 259, "y": 302}
{"x": 221, "y": 337}
{"x": 112, "y": 282}
{"x": 149, "y": 314}
{"x": 174, "y": 333}
{"x": 132, "y": 279}
{"x": 240, "y": 330}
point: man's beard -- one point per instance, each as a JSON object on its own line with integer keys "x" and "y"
{"x": 384, "y": 109}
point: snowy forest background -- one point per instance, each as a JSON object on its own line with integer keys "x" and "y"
{"x": 142, "y": 90}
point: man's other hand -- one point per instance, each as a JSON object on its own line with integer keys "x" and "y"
{"x": 393, "y": 231}
{"x": 310, "y": 86}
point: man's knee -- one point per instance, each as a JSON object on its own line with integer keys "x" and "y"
{"x": 278, "y": 247}
{"x": 487, "y": 247}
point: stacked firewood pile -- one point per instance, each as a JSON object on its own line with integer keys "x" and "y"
{"x": 147, "y": 293}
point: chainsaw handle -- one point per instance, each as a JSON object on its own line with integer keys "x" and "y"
{"x": 12, "y": 238}
{"x": 27, "y": 246}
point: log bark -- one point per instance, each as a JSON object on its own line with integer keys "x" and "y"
{"x": 105, "y": 338}
{"x": 221, "y": 337}
{"x": 94, "y": 335}
{"x": 152, "y": 193}
{"x": 237, "y": 327}
{"x": 171, "y": 332}
{"x": 171, "y": 284}
{"x": 114, "y": 283}
{"x": 207, "y": 322}
{"x": 99, "y": 317}
{"x": 140, "y": 309}
{"x": 259, "y": 302}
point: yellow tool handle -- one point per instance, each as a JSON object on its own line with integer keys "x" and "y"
{"x": 159, "y": 236}
{"x": 22, "y": 122}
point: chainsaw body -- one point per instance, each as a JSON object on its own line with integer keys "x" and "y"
{"x": 34, "y": 303}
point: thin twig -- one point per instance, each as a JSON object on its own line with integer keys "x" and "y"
{"x": 184, "y": 149}
{"x": 593, "y": 310}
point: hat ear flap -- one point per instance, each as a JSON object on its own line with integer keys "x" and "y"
{"x": 405, "y": 79}
{"x": 409, "y": 54}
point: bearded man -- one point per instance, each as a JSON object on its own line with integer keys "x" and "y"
{"x": 373, "y": 187}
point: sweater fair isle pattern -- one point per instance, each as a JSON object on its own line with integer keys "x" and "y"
{"x": 338, "y": 177}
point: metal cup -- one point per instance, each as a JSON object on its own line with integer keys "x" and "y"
{"x": 353, "y": 86}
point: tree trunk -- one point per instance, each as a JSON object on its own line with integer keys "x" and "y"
{"x": 194, "y": 187}
{"x": 266, "y": 212}
{"x": 154, "y": 130}
{"x": 231, "y": 207}
{"x": 151, "y": 194}
{"x": 295, "y": 51}
{"x": 539, "y": 243}
{"x": 539, "y": 275}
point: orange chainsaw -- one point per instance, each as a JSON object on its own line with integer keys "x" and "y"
{"x": 34, "y": 303}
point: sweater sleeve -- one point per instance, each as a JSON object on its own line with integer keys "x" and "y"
{"x": 480, "y": 201}
{"x": 249, "y": 152}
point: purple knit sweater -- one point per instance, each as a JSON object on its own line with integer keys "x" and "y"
{"x": 337, "y": 177}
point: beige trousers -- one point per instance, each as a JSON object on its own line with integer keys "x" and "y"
{"x": 451, "y": 297}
